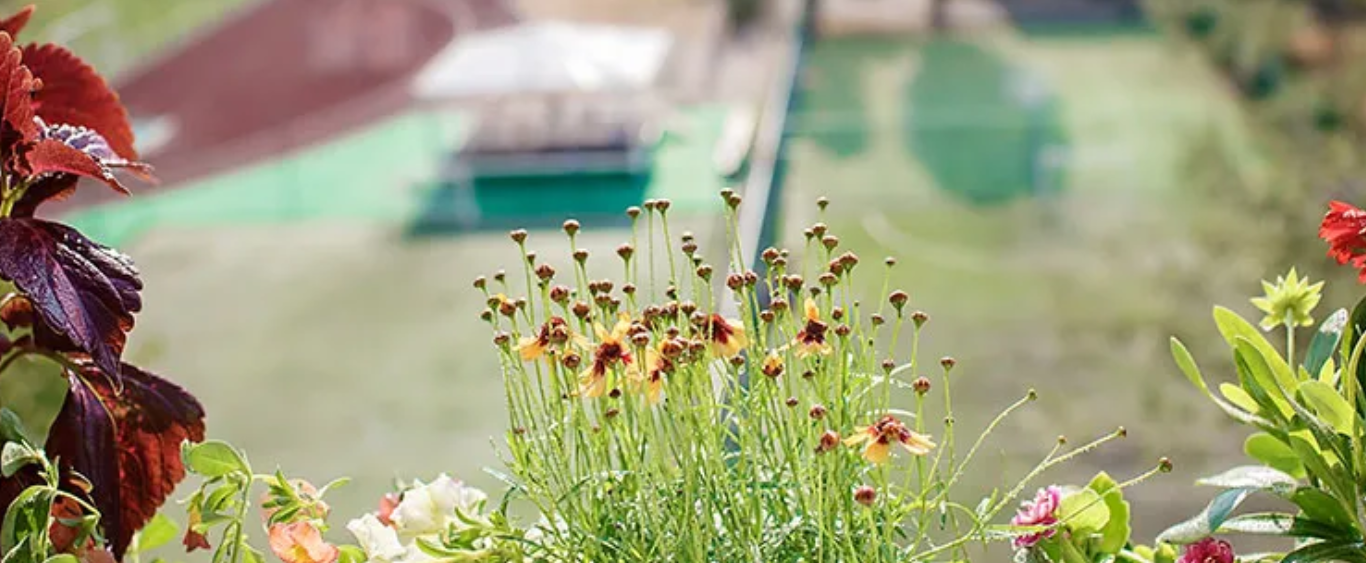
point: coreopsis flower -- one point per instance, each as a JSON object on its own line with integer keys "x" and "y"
{"x": 1344, "y": 227}
{"x": 727, "y": 336}
{"x": 378, "y": 541}
{"x": 1208, "y": 550}
{"x": 1289, "y": 301}
{"x": 301, "y": 542}
{"x": 554, "y": 332}
{"x": 612, "y": 351}
{"x": 657, "y": 365}
{"x": 811, "y": 338}
{"x": 1042, "y": 511}
{"x": 430, "y": 508}
{"x": 879, "y": 437}
{"x": 773, "y": 364}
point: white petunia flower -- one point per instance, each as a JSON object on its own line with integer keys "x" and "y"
{"x": 431, "y": 508}
{"x": 379, "y": 542}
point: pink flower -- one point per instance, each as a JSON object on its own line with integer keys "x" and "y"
{"x": 1042, "y": 511}
{"x": 1208, "y": 550}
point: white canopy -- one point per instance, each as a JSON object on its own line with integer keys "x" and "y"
{"x": 543, "y": 57}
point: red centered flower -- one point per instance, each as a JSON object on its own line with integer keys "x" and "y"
{"x": 1344, "y": 227}
{"x": 1208, "y": 550}
{"x": 811, "y": 338}
{"x": 727, "y": 336}
{"x": 880, "y": 436}
{"x": 554, "y": 332}
{"x": 1042, "y": 511}
{"x": 657, "y": 365}
{"x": 612, "y": 351}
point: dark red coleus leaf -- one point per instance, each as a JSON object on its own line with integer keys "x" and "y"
{"x": 54, "y": 157}
{"x": 15, "y": 23}
{"x": 127, "y": 442}
{"x": 73, "y": 93}
{"x": 81, "y": 291}
{"x": 16, "y": 90}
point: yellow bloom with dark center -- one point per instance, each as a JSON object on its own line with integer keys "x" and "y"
{"x": 554, "y": 332}
{"x": 879, "y": 438}
{"x": 773, "y": 364}
{"x": 612, "y": 351}
{"x": 810, "y": 339}
{"x": 1289, "y": 301}
{"x": 657, "y": 366}
{"x": 727, "y": 336}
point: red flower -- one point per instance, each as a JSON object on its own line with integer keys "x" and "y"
{"x": 1344, "y": 227}
{"x": 1208, "y": 550}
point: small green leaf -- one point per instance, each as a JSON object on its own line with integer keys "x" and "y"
{"x": 1249, "y": 477}
{"x": 1237, "y": 396}
{"x": 1329, "y": 405}
{"x": 27, "y": 514}
{"x": 1342, "y": 551}
{"x": 1265, "y": 523}
{"x": 1235, "y": 328}
{"x": 351, "y": 554}
{"x": 1258, "y": 379}
{"x": 1322, "y": 507}
{"x": 1187, "y": 364}
{"x": 1268, "y": 449}
{"x": 1084, "y": 510}
{"x": 1326, "y": 341}
{"x": 213, "y": 458}
{"x": 11, "y": 426}
{"x": 1115, "y": 534}
{"x": 15, "y": 456}
{"x": 159, "y": 531}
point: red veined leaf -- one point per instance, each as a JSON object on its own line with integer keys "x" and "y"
{"x": 80, "y": 290}
{"x": 16, "y": 93}
{"x": 73, "y": 93}
{"x": 126, "y": 441}
{"x": 51, "y": 156}
{"x": 15, "y": 23}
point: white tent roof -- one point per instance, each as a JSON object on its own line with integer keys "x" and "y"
{"x": 545, "y": 56}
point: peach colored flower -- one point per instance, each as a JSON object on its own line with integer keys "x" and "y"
{"x": 880, "y": 436}
{"x": 301, "y": 542}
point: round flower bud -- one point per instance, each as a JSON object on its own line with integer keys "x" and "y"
{"x": 948, "y": 362}
{"x": 822, "y": 202}
{"x": 571, "y": 227}
{"x": 829, "y": 441}
{"x": 921, "y": 385}
{"x": 580, "y": 255}
{"x": 898, "y": 299}
{"x": 865, "y": 495}
{"x": 581, "y": 309}
{"x": 625, "y": 251}
{"x": 830, "y": 242}
{"x": 704, "y": 272}
{"x": 819, "y": 229}
{"x": 920, "y": 318}
{"x": 499, "y": 276}
{"x": 518, "y": 236}
{"x": 628, "y": 289}
{"x": 735, "y": 281}
{"x": 817, "y": 412}
{"x": 545, "y": 272}
{"x": 501, "y": 338}
{"x": 559, "y": 294}
{"x": 791, "y": 402}
{"x": 480, "y": 282}
{"x": 877, "y": 319}
{"x": 633, "y": 212}
{"x": 571, "y": 361}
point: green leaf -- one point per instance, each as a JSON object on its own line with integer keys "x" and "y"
{"x": 1342, "y": 551}
{"x": 159, "y": 531}
{"x": 1115, "y": 534}
{"x": 14, "y": 456}
{"x": 1264, "y": 523}
{"x": 1253, "y": 477}
{"x": 1084, "y": 510}
{"x": 351, "y": 554}
{"x": 1235, "y": 328}
{"x": 1268, "y": 449}
{"x": 1259, "y": 381}
{"x": 1323, "y": 507}
{"x": 1207, "y": 521}
{"x": 213, "y": 458}
{"x": 1326, "y": 341}
{"x": 1187, "y": 364}
{"x": 251, "y": 555}
{"x": 26, "y": 515}
{"x": 11, "y": 426}
{"x": 1238, "y": 397}
{"x": 1329, "y": 405}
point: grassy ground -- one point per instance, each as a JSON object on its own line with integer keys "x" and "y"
{"x": 1071, "y": 283}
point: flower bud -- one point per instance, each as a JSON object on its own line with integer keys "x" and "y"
{"x": 688, "y": 307}
{"x": 726, "y": 193}
{"x": 640, "y": 339}
{"x": 737, "y": 361}
{"x": 580, "y": 256}
{"x": 848, "y": 260}
{"x": 486, "y": 315}
{"x": 499, "y": 276}
{"x": 734, "y": 201}
{"x": 751, "y": 278}
{"x": 628, "y": 289}
{"x": 545, "y": 272}
{"x": 769, "y": 255}
{"x": 888, "y": 365}
{"x": 615, "y": 393}
{"x": 920, "y": 318}
{"x": 835, "y": 267}
{"x": 808, "y": 374}
{"x": 1164, "y": 465}
{"x": 480, "y": 282}
{"x": 842, "y": 330}
{"x": 689, "y": 248}
{"x": 649, "y": 205}
{"x": 817, "y": 412}
{"x": 603, "y": 300}
{"x": 808, "y": 233}
{"x": 605, "y": 286}
{"x": 766, "y": 316}
{"x": 501, "y": 338}
{"x": 822, "y": 202}
{"x": 518, "y": 236}
{"x": 837, "y": 313}
{"x": 865, "y": 495}
{"x": 571, "y": 227}
{"x": 877, "y": 319}
{"x": 792, "y": 402}
{"x": 779, "y": 305}
{"x": 672, "y": 348}
{"x": 662, "y": 205}
{"x": 829, "y": 441}
{"x": 613, "y": 412}
{"x": 921, "y": 385}
{"x": 704, "y": 272}
{"x": 559, "y": 294}
{"x": 571, "y": 361}
{"x": 633, "y": 212}
{"x": 735, "y": 281}
{"x": 898, "y": 299}
{"x": 948, "y": 362}
{"x": 828, "y": 279}
{"x": 671, "y": 292}
{"x": 830, "y": 242}
{"x": 793, "y": 282}
{"x": 819, "y": 229}
{"x": 582, "y": 309}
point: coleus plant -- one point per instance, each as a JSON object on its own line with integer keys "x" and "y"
{"x": 118, "y": 435}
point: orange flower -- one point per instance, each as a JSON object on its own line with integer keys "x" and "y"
{"x": 554, "y": 331}
{"x": 657, "y": 365}
{"x": 612, "y": 350}
{"x": 811, "y": 338}
{"x": 727, "y": 336}
{"x": 879, "y": 438}
{"x": 301, "y": 542}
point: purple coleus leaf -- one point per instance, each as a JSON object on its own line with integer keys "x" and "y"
{"x": 126, "y": 442}
{"x": 83, "y": 294}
